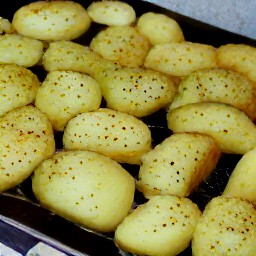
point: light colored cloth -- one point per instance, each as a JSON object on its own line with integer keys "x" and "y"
{"x": 238, "y": 16}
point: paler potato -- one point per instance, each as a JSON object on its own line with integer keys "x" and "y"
{"x": 232, "y": 129}
{"x": 70, "y": 56}
{"x": 26, "y": 139}
{"x": 177, "y": 165}
{"x": 51, "y": 20}
{"x": 117, "y": 135}
{"x": 241, "y": 183}
{"x": 217, "y": 85}
{"x": 163, "y": 226}
{"x": 180, "y": 58}
{"x": 227, "y": 227}
{"x": 159, "y": 28}
{"x": 64, "y": 94}
{"x": 123, "y": 45}
{"x": 111, "y": 13}
{"x": 86, "y": 188}
{"x": 18, "y": 87}
{"x": 239, "y": 57}
{"x": 20, "y": 50}
{"x": 136, "y": 91}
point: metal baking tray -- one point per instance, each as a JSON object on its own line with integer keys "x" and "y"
{"x": 23, "y": 222}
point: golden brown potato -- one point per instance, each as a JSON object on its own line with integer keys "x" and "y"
{"x": 227, "y": 227}
{"x": 64, "y": 94}
{"x": 241, "y": 183}
{"x": 117, "y": 135}
{"x": 232, "y": 129}
{"x": 26, "y": 139}
{"x": 20, "y": 50}
{"x": 51, "y": 20}
{"x": 86, "y": 188}
{"x": 70, "y": 56}
{"x": 161, "y": 227}
{"x": 239, "y": 57}
{"x": 159, "y": 28}
{"x": 123, "y": 45}
{"x": 180, "y": 58}
{"x": 217, "y": 85}
{"x": 111, "y": 13}
{"x": 18, "y": 87}
{"x": 136, "y": 91}
{"x": 177, "y": 165}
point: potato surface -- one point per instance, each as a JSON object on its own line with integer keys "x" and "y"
{"x": 239, "y": 57}
{"x": 18, "y": 87}
{"x": 232, "y": 129}
{"x": 161, "y": 227}
{"x": 227, "y": 227}
{"x": 217, "y": 85}
{"x": 20, "y": 50}
{"x": 136, "y": 91}
{"x": 159, "y": 28}
{"x": 26, "y": 139}
{"x": 117, "y": 135}
{"x": 111, "y": 13}
{"x": 64, "y": 94}
{"x": 123, "y": 45}
{"x": 180, "y": 58}
{"x": 177, "y": 165}
{"x": 241, "y": 183}
{"x": 70, "y": 56}
{"x": 54, "y": 20}
{"x": 86, "y": 188}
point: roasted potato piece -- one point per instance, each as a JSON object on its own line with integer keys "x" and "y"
{"x": 111, "y": 13}
{"x": 70, "y": 56}
{"x": 227, "y": 227}
{"x": 123, "y": 45}
{"x": 51, "y": 20}
{"x": 232, "y": 129}
{"x": 177, "y": 165}
{"x": 118, "y": 135}
{"x": 86, "y": 188}
{"x": 217, "y": 85}
{"x": 239, "y": 57}
{"x": 26, "y": 139}
{"x": 5, "y": 26}
{"x": 136, "y": 91}
{"x": 20, "y": 50}
{"x": 180, "y": 58}
{"x": 163, "y": 226}
{"x": 64, "y": 94}
{"x": 159, "y": 28}
{"x": 18, "y": 87}
{"x": 241, "y": 183}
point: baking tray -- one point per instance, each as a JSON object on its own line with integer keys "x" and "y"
{"x": 22, "y": 216}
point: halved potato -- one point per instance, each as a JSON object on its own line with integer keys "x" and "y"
{"x": 123, "y": 45}
{"x": 86, "y": 188}
{"x": 232, "y": 129}
{"x": 177, "y": 165}
{"x": 18, "y": 87}
{"x": 217, "y": 85}
{"x": 161, "y": 227}
{"x": 51, "y": 20}
{"x": 65, "y": 94}
{"x": 227, "y": 227}
{"x": 26, "y": 139}
{"x": 117, "y": 135}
